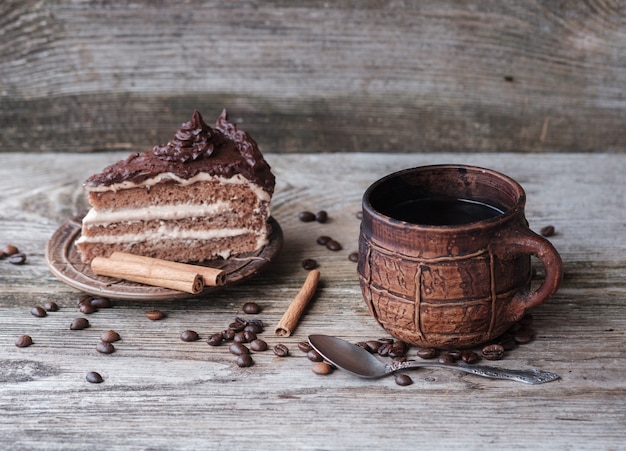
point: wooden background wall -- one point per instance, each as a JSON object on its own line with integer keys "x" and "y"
{"x": 354, "y": 75}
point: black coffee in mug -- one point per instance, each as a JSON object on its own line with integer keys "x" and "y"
{"x": 441, "y": 211}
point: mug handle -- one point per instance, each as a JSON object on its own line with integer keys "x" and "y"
{"x": 520, "y": 240}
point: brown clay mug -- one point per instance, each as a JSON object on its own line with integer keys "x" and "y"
{"x": 444, "y": 255}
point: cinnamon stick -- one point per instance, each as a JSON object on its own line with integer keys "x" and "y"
{"x": 155, "y": 275}
{"x": 212, "y": 276}
{"x": 292, "y": 315}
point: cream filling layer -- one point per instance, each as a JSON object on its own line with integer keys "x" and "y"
{"x": 201, "y": 177}
{"x": 170, "y": 233}
{"x": 151, "y": 213}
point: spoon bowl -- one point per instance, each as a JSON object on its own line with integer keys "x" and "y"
{"x": 356, "y": 360}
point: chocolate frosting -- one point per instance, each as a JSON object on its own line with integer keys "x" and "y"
{"x": 221, "y": 151}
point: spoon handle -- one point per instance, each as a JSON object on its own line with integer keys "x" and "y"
{"x": 530, "y": 376}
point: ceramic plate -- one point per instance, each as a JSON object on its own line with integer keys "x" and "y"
{"x": 64, "y": 262}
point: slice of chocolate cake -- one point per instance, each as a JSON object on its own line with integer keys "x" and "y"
{"x": 203, "y": 195}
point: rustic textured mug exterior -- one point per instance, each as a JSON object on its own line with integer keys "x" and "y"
{"x": 451, "y": 286}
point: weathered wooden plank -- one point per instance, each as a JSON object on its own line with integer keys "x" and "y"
{"x": 160, "y": 392}
{"x": 316, "y": 76}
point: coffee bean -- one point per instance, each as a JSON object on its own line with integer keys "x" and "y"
{"x": 51, "y": 306}
{"x": 321, "y": 216}
{"x": 304, "y": 346}
{"x": 17, "y": 259}
{"x": 306, "y": 216}
{"x": 105, "y": 348}
{"x": 228, "y": 334}
{"x": 353, "y": 257}
{"x": 87, "y": 309}
{"x": 363, "y": 345}
{"x": 333, "y": 245}
{"x": 373, "y": 345}
{"x": 37, "y": 311}
{"x": 427, "y": 353}
{"x": 79, "y": 324}
{"x": 155, "y": 315}
{"x": 403, "y": 379}
{"x": 493, "y": 352}
{"x": 23, "y": 341}
{"x": 215, "y": 339}
{"x": 249, "y": 336}
{"x": 469, "y": 356}
{"x": 314, "y": 356}
{"x": 445, "y": 358}
{"x": 254, "y": 326}
{"x": 258, "y": 345}
{"x": 85, "y": 298}
{"x": 322, "y": 240}
{"x": 386, "y": 340}
{"x": 251, "y": 308}
{"x": 455, "y": 354}
{"x": 507, "y": 341}
{"x": 244, "y": 361}
{"x": 547, "y": 230}
{"x": 524, "y": 335}
{"x": 281, "y": 350}
{"x": 94, "y": 378}
{"x": 100, "y": 302}
{"x": 238, "y": 349}
{"x": 238, "y": 325}
{"x": 189, "y": 335}
{"x": 240, "y": 337}
{"x": 9, "y": 250}
{"x": 110, "y": 336}
{"x": 384, "y": 349}
{"x": 322, "y": 368}
{"x": 309, "y": 263}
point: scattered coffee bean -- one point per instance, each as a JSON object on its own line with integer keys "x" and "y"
{"x": 258, "y": 345}
{"x": 240, "y": 338}
{"x": 189, "y": 335}
{"x": 353, "y": 257}
{"x": 322, "y": 368}
{"x": 398, "y": 349}
{"x": 238, "y": 325}
{"x": 403, "y": 379}
{"x": 363, "y": 345}
{"x": 155, "y": 315}
{"x": 314, "y": 356}
{"x": 524, "y": 335}
{"x": 469, "y": 356}
{"x": 238, "y": 349}
{"x": 446, "y": 358}
{"x": 493, "y": 352}
{"x": 281, "y": 350}
{"x": 373, "y": 345}
{"x": 322, "y": 240}
{"x": 386, "y": 340}
{"x": 304, "y": 346}
{"x": 87, "y": 309}
{"x": 85, "y": 298}
{"x": 9, "y": 250}
{"x": 105, "y": 348}
{"x": 251, "y": 308}
{"x": 321, "y": 216}
{"x": 254, "y": 326}
{"x": 427, "y": 353}
{"x": 37, "y": 311}
{"x": 228, "y": 334}
{"x": 51, "y": 306}
{"x": 110, "y": 336}
{"x": 244, "y": 361}
{"x": 309, "y": 263}
{"x": 215, "y": 339}
{"x": 17, "y": 259}
{"x": 547, "y": 230}
{"x": 23, "y": 341}
{"x": 507, "y": 341}
{"x": 455, "y": 354}
{"x": 100, "y": 302}
{"x": 94, "y": 378}
{"x": 333, "y": 245}
{"x": 79, "y": 324}
{"x": 306, "y": 216}
{"x": 249, "y": 336}
{"x": 384, "y": 349}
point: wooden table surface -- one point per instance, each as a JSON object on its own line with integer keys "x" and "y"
{"x": 162, "y": 393}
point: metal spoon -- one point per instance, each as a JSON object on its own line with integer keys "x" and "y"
{"x": 361, "y": 363}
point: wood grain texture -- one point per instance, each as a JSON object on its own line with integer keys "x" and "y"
{"x": 162, "y": 393}
{"x": 313, "y": 76}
